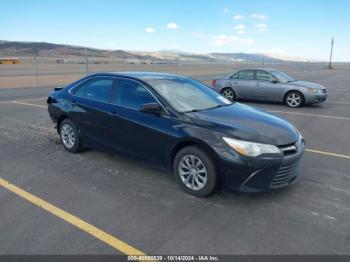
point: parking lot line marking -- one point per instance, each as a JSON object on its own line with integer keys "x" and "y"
{"x": 327, "y": 153}
{"x": 31, "y": 99}
{"x": 27, "y": 104}
{"x": 73, "y": 220}
{"x": 335, "y": 102}
{"x": 306, "y": 114}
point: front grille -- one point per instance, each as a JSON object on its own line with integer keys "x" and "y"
{"x": 289, "y": 149}
{"x": 285, "y": 174}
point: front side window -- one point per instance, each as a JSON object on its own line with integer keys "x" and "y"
{"x": 264, "y": 76}
{"x": 132, "y": 94}
{"x": 283, "y": 77}
{"x": 98, "y": 89}
{"x": 246, "y": 75}
{"x": 186, "y": 95}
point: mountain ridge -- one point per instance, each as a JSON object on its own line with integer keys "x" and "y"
{"x": 28, "y": 49}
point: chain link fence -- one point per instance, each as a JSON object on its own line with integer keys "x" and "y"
{"x": 57, "y": 71}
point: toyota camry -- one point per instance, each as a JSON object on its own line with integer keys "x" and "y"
{"x": 178, "y": 123}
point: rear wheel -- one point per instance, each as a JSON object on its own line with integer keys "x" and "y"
{"x": 229, "y": 94}
{"x": 294, "y": 99}
{"x": 195, "y": 171}
{"x": 69, "y": 136}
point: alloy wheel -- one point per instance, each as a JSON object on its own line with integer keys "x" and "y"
{"x": 294, "y": 99}
{"x": 68, "y": 135}
{"x": 193, "y": 172}
{"x": 228, "y": 94}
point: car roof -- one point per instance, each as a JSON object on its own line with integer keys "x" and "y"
{"x": 258, "y": 68}
{"x": 141, "y": 75}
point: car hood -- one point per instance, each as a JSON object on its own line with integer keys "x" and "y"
{"x": 247, "y": 123}
{"x": 306, "y": 84}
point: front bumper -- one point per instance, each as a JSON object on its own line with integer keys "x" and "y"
{"x": 260, "y": 174}
{"x": 315, "y": 98}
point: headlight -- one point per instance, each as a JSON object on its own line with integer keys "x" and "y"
{"x": 315, "y": 91}
{"x": 250, "y": 148}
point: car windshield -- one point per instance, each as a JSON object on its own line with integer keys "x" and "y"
{"x": 283, "y": 77}
{"x": 187, "y": 95}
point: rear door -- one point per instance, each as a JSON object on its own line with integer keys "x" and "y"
{"x": 91, "y": 108}
{"x": 243, "y": 84}
{"x": 137, "y": 133}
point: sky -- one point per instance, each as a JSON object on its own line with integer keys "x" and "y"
{"x": 285, "y": 28}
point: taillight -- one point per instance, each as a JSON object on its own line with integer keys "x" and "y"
{"x": 51, "y": 100}
{"x": 213, "y": 83}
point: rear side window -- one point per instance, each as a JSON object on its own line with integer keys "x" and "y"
{"x": 234, "y": 76}
{"x": 246, "y": 75}
{"x": 98, "y": 89}
{"x": 132, "y": 94}
{"x": 264, "y": 76}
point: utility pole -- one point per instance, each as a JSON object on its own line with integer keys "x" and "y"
{"x": 36, "y": 68}
{"x": 86, "y": 61}
{"x": 330, "y": 58}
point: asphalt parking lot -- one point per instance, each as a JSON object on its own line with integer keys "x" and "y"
{"x": 136, "y": 204}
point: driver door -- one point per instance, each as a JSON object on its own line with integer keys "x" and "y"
{"x": 267, "y": 87}
{"x": 140, "y": 134}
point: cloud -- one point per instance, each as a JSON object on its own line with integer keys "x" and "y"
{"x": 150, "y": 29}
{"x": 259, "y": 16}
{"x": 240, "y": 27}
{"x": 238, "y": 17}
{"x": 223, "y": 40}
{"x": 262, "y": 27}
{"x": 226, "y": 10}
{"x": 241, "y": 32}
{"x": 172, "y": 25}
{"x": 197, "y": 34}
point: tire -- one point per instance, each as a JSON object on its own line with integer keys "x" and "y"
{"x": 70, "y": 136}
{"x": 202, "y": 167}
{"x": 294, "y": 99}
{"x": 229, "y": 94}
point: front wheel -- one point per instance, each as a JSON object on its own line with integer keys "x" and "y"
{"x": 195, "y": 171}
{"x": 69, "y": 136}
{"x": 294, "y": 99}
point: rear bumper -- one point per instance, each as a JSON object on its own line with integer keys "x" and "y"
{"x": 260, "y": 174}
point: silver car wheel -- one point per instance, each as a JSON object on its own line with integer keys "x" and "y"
{"x": 294, "y": 100}
{"x": 68, "y": 136}
{"x": 228, "y": 93}
{"x": 193, "y": 172}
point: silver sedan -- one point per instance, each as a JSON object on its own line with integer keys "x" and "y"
{"x": 269, "y": 85}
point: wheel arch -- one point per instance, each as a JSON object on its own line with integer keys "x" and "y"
{"x": 59, "y": 121}
{"x": 292, "y": 90}
{"x": 191, "y": 142}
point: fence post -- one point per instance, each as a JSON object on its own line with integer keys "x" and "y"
{"x": 86, "y": 61}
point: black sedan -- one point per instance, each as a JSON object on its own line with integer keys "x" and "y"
{"x": 179, "y": 123}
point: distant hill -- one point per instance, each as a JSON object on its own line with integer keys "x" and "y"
{"x": 246, "y": 57}
{"x": 29, "y": 49}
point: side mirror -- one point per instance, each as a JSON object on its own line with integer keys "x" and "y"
{"x": 151, "y": 108}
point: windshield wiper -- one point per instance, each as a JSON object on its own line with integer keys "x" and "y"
{"x": 205, "y": 109}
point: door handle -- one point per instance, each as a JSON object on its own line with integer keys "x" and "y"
{"x": 235, "y": 83}
{"x": 257, "y": 84}
{"x": 74, "y": 103}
